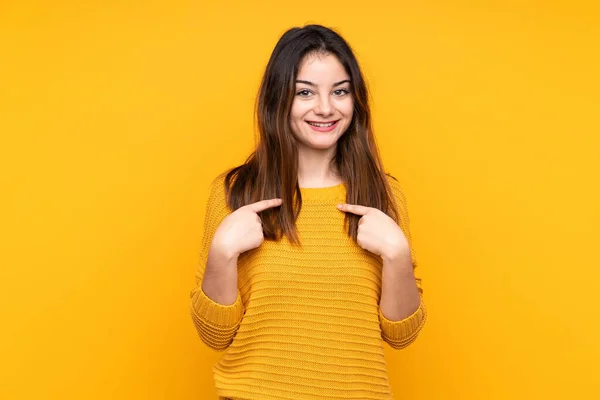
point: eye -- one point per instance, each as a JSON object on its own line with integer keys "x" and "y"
{"x": 303, "y": 93}
{"x": 341, "y": 92}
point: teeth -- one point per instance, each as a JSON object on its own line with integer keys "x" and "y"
{"x": 322, "y": 125}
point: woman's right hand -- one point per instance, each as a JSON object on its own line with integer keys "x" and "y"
{"x": 242, "y": 230}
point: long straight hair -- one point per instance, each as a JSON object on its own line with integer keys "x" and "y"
{"x": 272, "y": 169}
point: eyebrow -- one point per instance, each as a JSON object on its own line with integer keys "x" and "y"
{"x": 334, "y": 85}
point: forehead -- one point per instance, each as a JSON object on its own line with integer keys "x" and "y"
{"x": 321, "y": 68}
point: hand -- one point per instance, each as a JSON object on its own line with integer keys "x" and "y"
{"x": 378, "y": 233}
{"x": 242, "y": 230}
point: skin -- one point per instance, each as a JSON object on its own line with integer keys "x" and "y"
{"x": 240, "y": 231}
{"x": 322, "y": 95}
{"x": 379, "y": 234}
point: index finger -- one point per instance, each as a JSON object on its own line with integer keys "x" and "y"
{"x": 354, "y": 208}
{"x": 264, "y": 204}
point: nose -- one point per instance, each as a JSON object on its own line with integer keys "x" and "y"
{"x": 323, "y": 106}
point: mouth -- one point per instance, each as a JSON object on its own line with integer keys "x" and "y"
{"x": 325, "y": 126}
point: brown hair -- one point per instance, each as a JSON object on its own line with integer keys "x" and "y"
{"x": 272, "y": 169}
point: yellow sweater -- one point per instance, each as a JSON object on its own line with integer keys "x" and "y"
{"x": 306, "y": 323}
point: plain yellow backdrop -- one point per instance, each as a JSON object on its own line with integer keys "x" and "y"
{"x": 115, "y": 116}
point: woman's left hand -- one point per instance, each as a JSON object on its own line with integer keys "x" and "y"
{"x": 379, "y": 233}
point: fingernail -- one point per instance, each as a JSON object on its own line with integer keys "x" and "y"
{"x": 339, "y": 206}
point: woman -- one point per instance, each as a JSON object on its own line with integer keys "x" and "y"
{"x": 299, "y": 292}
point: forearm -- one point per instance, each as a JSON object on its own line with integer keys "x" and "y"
{"x": 221, "y": 276}
{"x": 399, "y": 293}
{"x": 216, "y": 306}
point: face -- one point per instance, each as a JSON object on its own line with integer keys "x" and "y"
{"x": 323, "y": 105}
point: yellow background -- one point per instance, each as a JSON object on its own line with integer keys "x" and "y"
{"x": 115, "y": 115}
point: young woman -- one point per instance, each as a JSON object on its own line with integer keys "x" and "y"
{"x": 301, "y": 293}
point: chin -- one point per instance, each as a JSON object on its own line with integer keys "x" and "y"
{"x": 316, "y": 140}
{"x": 322, "y": 144}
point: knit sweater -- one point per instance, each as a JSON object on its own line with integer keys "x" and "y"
{"x": 306, "y": 324}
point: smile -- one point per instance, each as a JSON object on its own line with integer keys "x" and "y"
{"x": 322, "y": 126}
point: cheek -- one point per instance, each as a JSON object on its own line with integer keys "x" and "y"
{"x": 298, "y": 111}
{"x": 347, "y": 108}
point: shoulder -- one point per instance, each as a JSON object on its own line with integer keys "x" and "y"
{"x": 397, "y": 190}
{"x": 399, "y": 198}
{"x": 217, "y": 195}
{"x": 217, "y": 184}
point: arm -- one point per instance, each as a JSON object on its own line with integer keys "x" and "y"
{"x": 216, "y": 305}
{"x": 402, "y": 312}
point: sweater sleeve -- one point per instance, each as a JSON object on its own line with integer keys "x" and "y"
{"x": 399, "y": 334}
{"x": 215, "y": 323}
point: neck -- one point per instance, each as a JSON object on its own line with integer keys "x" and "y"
{"x": 315, "y": 170}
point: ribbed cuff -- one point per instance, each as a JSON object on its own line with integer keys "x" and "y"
{"x": 215, "y": 314}
{"x": 401, "y": 333}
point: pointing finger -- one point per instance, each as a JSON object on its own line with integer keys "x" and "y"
{"x": 264, "y": 204}
{"x": 353, "y": 208}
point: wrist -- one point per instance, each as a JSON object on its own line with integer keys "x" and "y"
{"x": 223, "y": 251}
{"x": 401, "y": 259}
